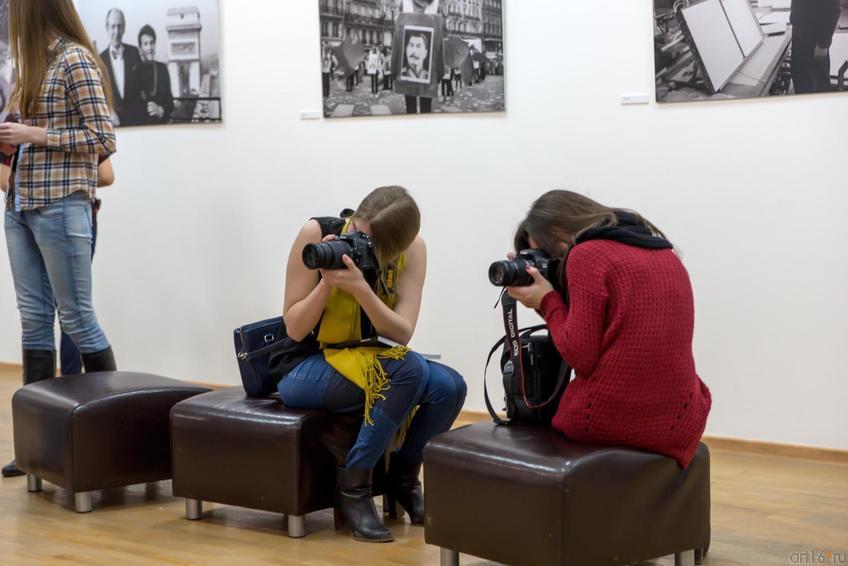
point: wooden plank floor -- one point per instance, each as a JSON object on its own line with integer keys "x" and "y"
{"x": 766, "y": 509}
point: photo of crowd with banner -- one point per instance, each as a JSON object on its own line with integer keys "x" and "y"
{"x": 162, "y": 58}
{"x": 390, "y": 57}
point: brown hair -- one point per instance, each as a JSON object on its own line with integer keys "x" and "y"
{"x": 560, "y": 217}
{"x": 32, "y": 26}
{"x": 394, "y": 219}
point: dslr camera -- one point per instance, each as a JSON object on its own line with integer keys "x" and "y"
{"x": 328, "y": 255}
{"x": 514, "y": 273}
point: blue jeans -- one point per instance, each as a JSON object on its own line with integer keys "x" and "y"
{"x": 437, "y": 390}
{"x": 70, "y": 362}
{"x": 50, "y": 257}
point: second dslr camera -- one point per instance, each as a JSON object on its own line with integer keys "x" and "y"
{"x": 514, "y": 273}
{"x": 328, "y": 255}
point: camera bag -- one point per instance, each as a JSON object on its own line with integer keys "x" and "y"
{"x": 534, "y": 374}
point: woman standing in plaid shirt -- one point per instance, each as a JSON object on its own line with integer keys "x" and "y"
{"x": 64, "y": 106}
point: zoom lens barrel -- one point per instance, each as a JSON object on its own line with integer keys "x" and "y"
{"x": 510, "y": 274}
{"x": 326, "y": 256}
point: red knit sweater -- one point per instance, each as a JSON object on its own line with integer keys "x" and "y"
{"x": 628, "y": 335}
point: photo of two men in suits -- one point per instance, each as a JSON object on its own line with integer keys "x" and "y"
{"x": 141, "y": 85}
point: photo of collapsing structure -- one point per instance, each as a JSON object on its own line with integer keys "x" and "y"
{"x": 728, "y": 49}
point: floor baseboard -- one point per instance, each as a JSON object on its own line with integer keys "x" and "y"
{"x": 831, "y": 455}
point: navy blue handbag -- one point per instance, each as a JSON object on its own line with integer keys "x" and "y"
{"x": 266, "y": 354}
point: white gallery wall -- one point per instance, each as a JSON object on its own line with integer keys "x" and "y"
{"x": 195, "y": 233}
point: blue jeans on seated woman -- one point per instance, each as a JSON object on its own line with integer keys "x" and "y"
{"x": 437, "y": 390}
{"x": 50, "y": 256}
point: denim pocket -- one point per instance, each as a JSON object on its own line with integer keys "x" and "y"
{"x": 77, "y": 213}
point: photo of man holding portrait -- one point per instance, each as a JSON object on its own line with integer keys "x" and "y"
{"x": 423, "y": 46}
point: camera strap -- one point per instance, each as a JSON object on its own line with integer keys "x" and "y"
{"x": 513, "y": 338}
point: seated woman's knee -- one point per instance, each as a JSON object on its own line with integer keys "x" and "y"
{"x": 446, "y": 382}
{"x": 461, "y": 387}
{"x": 412, "y": 370}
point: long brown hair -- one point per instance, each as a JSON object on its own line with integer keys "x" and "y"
{"x": 558, "y": 218}
{"x": 32, "y": 26}
{"x": 394, "y": 219}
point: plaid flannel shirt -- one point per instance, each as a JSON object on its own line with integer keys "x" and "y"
{"x": 72, "y": 108}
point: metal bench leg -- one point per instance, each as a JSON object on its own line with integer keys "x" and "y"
{"x": 82, "y": 502}
{"x": 33, "y": 484}
{"x": 194, "y": 509}
{"x": 685, "y": 558}
{"x": 297, "y": 526}
{"x": 449, "y": 557}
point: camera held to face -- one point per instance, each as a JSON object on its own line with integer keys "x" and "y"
{"x": 328, "y": 255}
{"x": 514, "y": 273}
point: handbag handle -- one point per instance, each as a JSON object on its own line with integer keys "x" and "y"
{"x": 271, "y": 347}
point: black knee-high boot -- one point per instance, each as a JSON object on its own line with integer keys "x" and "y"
{"x": 355, "y": 506}
{"x": 38, "y": 366}
{"x": 104, "y": 360}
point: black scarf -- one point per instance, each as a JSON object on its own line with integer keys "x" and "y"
{"x": 629, "y": 230}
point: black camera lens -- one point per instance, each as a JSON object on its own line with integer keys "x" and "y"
{"x": 510, "y": 274}
{"x": 326, "y": 256}
{"x": 312, "y": 256}
{"x": 499, "y": 272}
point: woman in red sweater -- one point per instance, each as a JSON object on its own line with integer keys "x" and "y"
{"x": 624, "y": 323}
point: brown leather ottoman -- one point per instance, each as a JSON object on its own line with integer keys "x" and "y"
{"x": 527, "y": 495}
{"x": 96, "y": 431}
{"x": 256, "y": 453}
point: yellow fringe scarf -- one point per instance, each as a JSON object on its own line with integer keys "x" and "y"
{"x": 341, "y": 323}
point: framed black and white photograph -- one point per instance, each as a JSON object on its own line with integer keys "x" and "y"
{"x": 162, "y": 58}
{"x": 729, "y": 49}
{"x": 7, "y": 77}
{"x": 391, "y": 57}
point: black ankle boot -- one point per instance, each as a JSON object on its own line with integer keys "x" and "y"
{"x": 355, "y": 504}
{"x": 405, "y": 487}
{"x": 10, "y": 470}
{"x": 39, "y": 365}
{"x": 104, "y": 360}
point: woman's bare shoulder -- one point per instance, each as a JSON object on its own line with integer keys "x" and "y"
{"x": 311, "y": 231}
{"x": 417, "y": 246}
